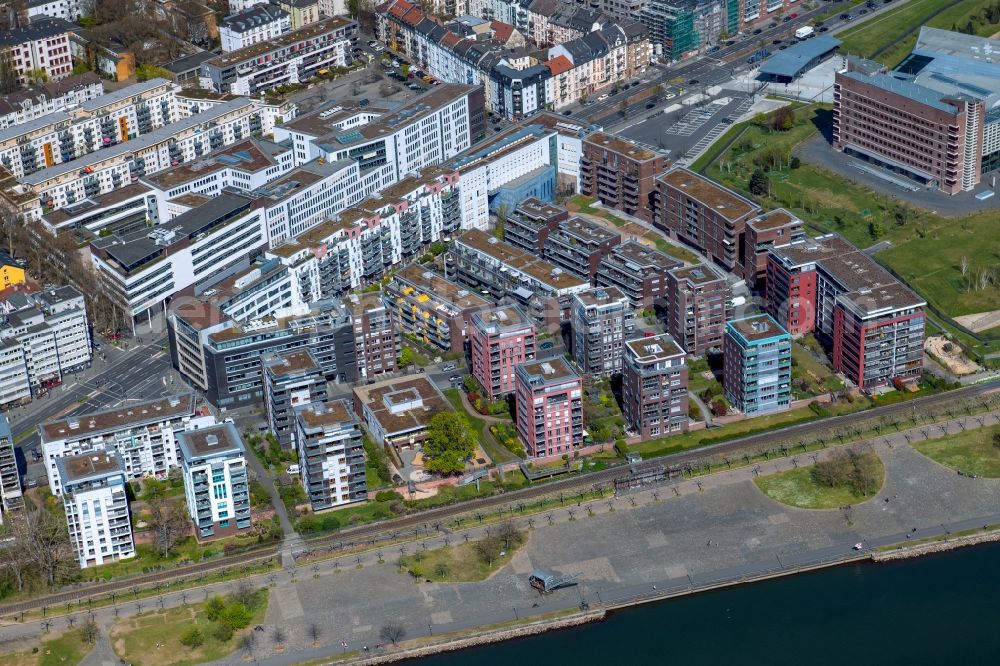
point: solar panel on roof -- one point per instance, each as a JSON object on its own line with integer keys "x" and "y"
{"x": 349, "y": 137}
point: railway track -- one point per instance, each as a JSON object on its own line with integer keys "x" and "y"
{"x": 424, "y": 521}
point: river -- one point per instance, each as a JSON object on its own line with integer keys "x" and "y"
{"x": 938, "y": 609}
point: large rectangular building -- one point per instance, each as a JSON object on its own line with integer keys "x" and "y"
{"x": 292, "y": 379}
{"x": 549, "y": 407}
{"x": 331, "y": 454}
{"x": 620, "y": 173}
{"x": 654, "y": 386}
{"x": 602, "y": 320}
{"x": 703, "y": 214}
{"x": 776, "y": 227}
{"x": 96, "y": 506}
{"x": 639, "y": 271}
{"x": 397, "y": 411}
{"x": 578, "y": 245}
{"x": 499, "y": 341}
{"x": 216, "y": 487}
{"x": 10, "y": 481}
{"x": 43, "y": 45}
{"x": 699, "y": 302}
{"x": 757, "y": 365}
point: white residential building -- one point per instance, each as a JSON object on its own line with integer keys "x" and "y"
{"x": 259, "y": 23}
{"x": 70, "y": 10}
{"x": 331, "y": 454}
{"x": 42, "y": 45}
{"x": 143, "y": 434}
{"x": 21, "y": 106}
{"x": 96, "y": 506}
{"x": 43, "y": 337}
{"x": 10, "y": 481}
{"x": 216, "y": 487}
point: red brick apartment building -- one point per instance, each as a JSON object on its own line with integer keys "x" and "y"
{"x": 654, "y": 386}
{"x": 777, "y": 227}
{"x": 704, "y": 214}
{"x": 499, "y": 341}
{"x": 699, "y": 303}
{"x": 872, "y": 324}
{"x": 549, "y": 407}
{"x": 619, "y": 173}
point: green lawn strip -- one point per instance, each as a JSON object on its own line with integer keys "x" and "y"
{"x": 670, "y": 249}
{"x": 454, "y": 564}
{"x": 971, "y": 452}
{"x": 153, "y": 639}
{"x": 69, "y": 648}
{"x": 496, "y": 452}
{"x": 149, "y": 559}
{"x": 797, "y": 488}
{"x": 806, "y": 368}
{"x": 909, "y": 543}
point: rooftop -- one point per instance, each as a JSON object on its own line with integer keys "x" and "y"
{"x": 252, "y": 17}
{"x": 774, "y": 219}
{"x": 585, "y": 230}
{"x": 110, "y": 98}
{"x": 40, "y": 28}
{"x": 639, "y": 257}
{"x": 437, "y": 287}
{"x": 757, "y": 328}
{"x": 287, "y": 363}
{"x": 538, "y": 209}
{"x": 917, "y": 93}
{"x": 249, "y": 155}
{"x": 799, "y": 56}
{"x": 319, "y": 414}
{"x": 304, "y": 33}
{"x": 519, "y": 260}
{"x": 620, "y": 146}
{"x": 61, "y": 216}
{"x": 502, "y": 319}
{"x": 600, "y": 296}
{"x": 89, "y": 467}
{"x": 549, "y": 371}
{"x": 723, "y": 201}
{"x": 697, "y": 275}
{"x": 416, "y": 391}
{"x": 220, "y": 439}
{"x": 497, "y": 145}
{"x": 113, "y": 420}
{"x": 656, "y": 348}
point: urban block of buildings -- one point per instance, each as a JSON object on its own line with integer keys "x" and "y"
{"x": 699, "y": 303}
{"x": 396, "y": 412}
{"x": 331, "y": 454}
{"x": 43, "y": 45}
{"x": 34, "y": 102}
{"x": 292, "y": 379}
{"x": 602, "y": 320}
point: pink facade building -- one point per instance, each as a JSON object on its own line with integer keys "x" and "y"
{"x": 549, "y": 407}
{"x": 499, "y": 341}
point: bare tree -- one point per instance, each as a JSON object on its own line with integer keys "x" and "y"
{"x": 392, "y": 631}
{"x": 89, "y": 631}
{"x": 168, "y": 523}
{"x": 314, "y": 633}
{"x": 44, "y": 542}
{"x": 246, "y": 594}
{"x": 278, "y": 637}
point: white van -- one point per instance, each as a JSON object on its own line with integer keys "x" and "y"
{"x": 292, "y": 469}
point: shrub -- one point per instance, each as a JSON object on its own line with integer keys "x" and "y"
{"x": 222, "y": 632}
{"x": 397, "y": 507}
{"x": 236, "y": 616}
{"x": 214, "y": 608}
{"x": 192, "y": 637}
{"x": 621, "y": 446}
{"x": 387, "y": 496}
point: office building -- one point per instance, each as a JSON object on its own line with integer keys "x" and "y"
{"x": 96, "y": 506}
{"x": 44, "y": 336}
{"x": 757, "y": 365}
{"x": 655, "y": 386}
{"x": 291, "y": 379}
{"x": 549, "y": 404}
{"x": 216, "y": 487}
{"x": 620, "y": 173}
{"x": 639, "y": 271}
{"x": 143, "y": 434}
{"x": 499, "y": 340}
{"x": 602, "y": 320}
{"x": 683, "y": 27}
{"x": 699, "y": 212}
{"x": 933, "y": 120}
{"x": 396, "y": 412}
{"x": 331, "y": 454}
{"x": 872, "y": 324}
{"x": 699, "y": 303}
{"x": 292, "y": 57}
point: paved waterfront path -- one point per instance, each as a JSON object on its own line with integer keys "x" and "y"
{"x": 651, "y": 543}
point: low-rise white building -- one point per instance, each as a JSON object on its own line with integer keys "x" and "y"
{"x": 216, "y": 487}
{"x": 43, "y": 337}
{"x": 143, "y": 434}
{"x": 70, "y": 10}
{"x": 96, "y": 506}
{"x": 259, "y": 23}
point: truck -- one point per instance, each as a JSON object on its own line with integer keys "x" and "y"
{"x": 804, "y": 32}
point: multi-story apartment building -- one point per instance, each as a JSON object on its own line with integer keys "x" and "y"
{"x": 331, "y": 454}
{"x": 10, "y": 481}
{"x": 431, "y": 307}
{"x": 96, "y": 506}
{"x": 639, "y": 271}
{"x": 259, "y": 23}
{"x": 499, "y": 340}
{"x": 873, "y": 325}
{"x": 293, "y": 57}
{"x": 530, "y": 224}
{"x": 376, "y": 334}
{"x": 291, "y": 379}
{"x": 303, "y": 12}
{"x": 216, "y": 487}
{"x": 221, "y": 355}
{"x": 578, "y": 245}
{"x": 654, "y": 386}
{"x": 602, "y": 320}
{"x": 544, "y": 290}
{"x": 70, "y": 10}
{"x": 143, "y": 434}
{"x": 699, "y": 303}
{"x": 933, "y": 120}
{"x": 396, "y": 412}
{"x": 619, "y": 173}
{"x": 31, "y": 103}
{"x": 757, "y": 365}
{"x": 776, "y": 227}
{"x": 710, "y": 217}
{"x": 682, "y": 27}
{"x": 549, "y": 400}
{"x": 44, "y": 337}
{"x": 42, "y": 45}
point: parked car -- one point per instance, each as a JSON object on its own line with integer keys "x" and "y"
{"x": 448, "y": 367}
{"x": 455, "y": 378}
{"x": 292, "y": 469}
